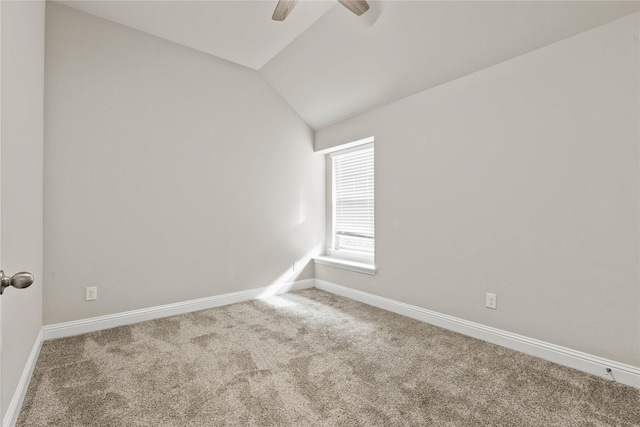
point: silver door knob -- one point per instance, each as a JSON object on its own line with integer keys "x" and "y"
{"x": 19, "y": 280}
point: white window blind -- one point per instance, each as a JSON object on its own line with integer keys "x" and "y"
{"x": 353, "y": 199}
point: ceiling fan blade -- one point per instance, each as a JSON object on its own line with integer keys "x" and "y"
{"x": 283, "y": 8}
{"x": 356, "y": 6}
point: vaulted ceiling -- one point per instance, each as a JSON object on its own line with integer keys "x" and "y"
{"x": 330, "y": 64}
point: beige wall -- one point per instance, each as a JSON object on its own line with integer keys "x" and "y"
{"x": 21, "y": 242}
{"x": 521, "y": 180}
{"x": 169, "y": 174}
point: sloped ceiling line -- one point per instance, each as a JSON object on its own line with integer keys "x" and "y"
{"x": 329, "y": 64}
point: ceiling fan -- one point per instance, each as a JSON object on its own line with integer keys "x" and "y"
{"x": 284, "y": 7}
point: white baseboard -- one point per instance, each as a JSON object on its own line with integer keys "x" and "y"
{"x": 92, "y": 324}
{"x": 620, "y": 372}
{"x": 13, "y": 410}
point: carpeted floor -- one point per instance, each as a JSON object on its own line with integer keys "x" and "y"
{"x": 308, "y": 358}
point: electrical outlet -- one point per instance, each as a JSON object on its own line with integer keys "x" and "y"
{"x": 91, "y": 293}
{"x": 492, "y": 301}
{"x": 296, "y": 266}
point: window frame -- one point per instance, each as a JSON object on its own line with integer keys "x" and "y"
{"x": 362, "y": 258}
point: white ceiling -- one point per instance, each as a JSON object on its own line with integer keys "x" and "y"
{"x": 329, "y": 64}
{"x": 343, "y": 65}
{"x": 239, "y": 31}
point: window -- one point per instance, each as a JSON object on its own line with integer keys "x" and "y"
{"x": 351, "y": 207}
{"x": 353, "y": 203}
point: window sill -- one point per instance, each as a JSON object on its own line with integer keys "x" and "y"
{"x": 344, "y": 264}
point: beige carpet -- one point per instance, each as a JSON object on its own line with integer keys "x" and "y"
{"x": 304, "y": 359}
